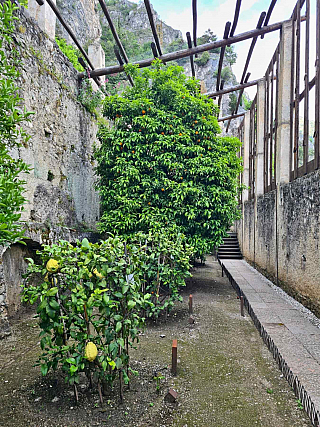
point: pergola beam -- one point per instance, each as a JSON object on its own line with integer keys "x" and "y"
{"x": 195, "y": 21}
{"x": 191, "y": 57}
{"x": 225, "y": 36}
{"x": 114, "y": 31}
{"x": 231, "y": 89}
{"x": 153, "y": 27}
{"x": 71, "y": 34}
{"x": 222, "y": 119}
{"x": 173, "y": 56}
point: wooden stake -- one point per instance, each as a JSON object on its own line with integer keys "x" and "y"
{"x": 174, "y": 357}
{"x": 190, "y": 304}
{"x": 242, "y": 306}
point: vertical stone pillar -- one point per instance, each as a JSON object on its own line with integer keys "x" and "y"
{"x": 246, "y": 143}
{"x": 284, "y": 105}
{"x": 97, "y": 57}
{"x": 44, "y": 16}
{"x": 259, "y": 159}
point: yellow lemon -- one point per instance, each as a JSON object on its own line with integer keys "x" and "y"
{"x": 52, "y": 266}
{"x": 91, "y": 351}
{"x": 99, "y": 275}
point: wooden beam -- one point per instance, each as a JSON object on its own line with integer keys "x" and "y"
{"x": 195, "y": 21}
{"x": 222, "y": 119}
{"x": 220, "y": 97}
{"x": 236, "y": 17}
{"x": 239, "y": 99}
{"x": 114, "y": 31}
{"x": 153, "y": 27}
{"x": 154, "y": 50}
{"x": 173, "y": 56}
{"x": 232, "y": 89}
{"x": 71, "y": 34}
{"x": 253, "y": 43}
{"x": 266, "y": 21}
{"x": 191, "y": 57}
{"x": 118, "y": 56}
{"x": 225, "y": 36}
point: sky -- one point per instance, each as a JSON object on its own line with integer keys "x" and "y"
{"x": 214, "y": 14}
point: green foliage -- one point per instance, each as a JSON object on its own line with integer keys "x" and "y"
{"x": 135, "y": 50}
{"x": 203, "y": 59}
{"x": 208, "y": 37}
{"x": 246, "y": 102}
{"x": 71, "y": 53}
{"x": 12, "y": 136}
{"x": 232, "y": 102}
{"x": 90, "y": 99}
{"x": 226, "y": 74}
{"x": 162, "y": 164}
{"x": 94, "y": 298}
{"x": 230, "y": 55}
{"x": 101, "y": 294}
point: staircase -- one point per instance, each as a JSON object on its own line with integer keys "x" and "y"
{"x": 230, "y": 248}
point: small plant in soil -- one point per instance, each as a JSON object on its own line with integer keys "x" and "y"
{"x": 157, "y": 378}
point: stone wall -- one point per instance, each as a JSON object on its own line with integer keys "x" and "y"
{"x": 286, "y": 237}
{"x": 62, "y": 201}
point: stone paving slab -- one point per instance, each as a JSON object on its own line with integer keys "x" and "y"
{"x": 296, "y": 338}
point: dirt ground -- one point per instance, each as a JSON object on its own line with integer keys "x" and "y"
{"x": 226, "y": 375}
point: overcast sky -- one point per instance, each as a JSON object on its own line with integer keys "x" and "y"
{"x": 214, "y": 14}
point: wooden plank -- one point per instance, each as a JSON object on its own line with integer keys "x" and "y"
{"x": 306, "y": 89}
{"x": 225, "y": 36}
{"x": 173, "y": 56}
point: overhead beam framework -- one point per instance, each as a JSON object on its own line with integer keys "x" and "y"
{"x": 173, "y": 56}
{"x": 71, "y": 34}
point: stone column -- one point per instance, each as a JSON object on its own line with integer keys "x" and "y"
{"x": 97, "y": 57}
{"x": 284, "y": 98}
{"x": 44, "y": 16}
{"x": 246, "y": 143}
{"x": 259, "y": 159}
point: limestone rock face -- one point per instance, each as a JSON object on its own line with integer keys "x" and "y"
{"x": 82, "y": 17}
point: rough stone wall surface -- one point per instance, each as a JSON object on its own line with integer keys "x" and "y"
{"x": 297, "y": 232}
{"x": 60, "y": 187}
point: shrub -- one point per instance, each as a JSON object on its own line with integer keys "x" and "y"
{"x": 99, "y": 294}
{"x": 203, "y": 59}
{"x": 12, "y": 136}
{"x": 162, "y": 163}
{"x": 71, "y": 53}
